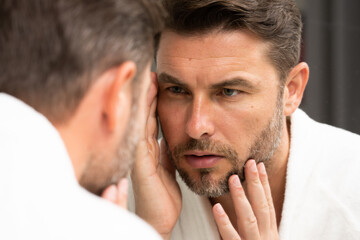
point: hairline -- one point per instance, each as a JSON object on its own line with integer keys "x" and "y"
{"x": 221, "y": 29}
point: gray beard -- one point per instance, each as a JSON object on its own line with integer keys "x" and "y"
{"x": 262, "y": 150}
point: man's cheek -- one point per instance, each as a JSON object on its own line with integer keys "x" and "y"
{"x": 170, "y": 123}
{"x": 165, "y": 125}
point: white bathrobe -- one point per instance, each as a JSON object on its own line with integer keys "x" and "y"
{"x": 322, "y": 195}
{"x": 40, "y": 197}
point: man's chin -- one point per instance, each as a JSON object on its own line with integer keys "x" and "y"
{"x": 204, "y": 184}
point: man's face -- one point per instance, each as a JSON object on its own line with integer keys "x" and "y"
{"x": 220, "y": 104}
{"x": 109, "y": 165}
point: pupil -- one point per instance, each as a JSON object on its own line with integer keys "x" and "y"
{"x": 228, "y": 91}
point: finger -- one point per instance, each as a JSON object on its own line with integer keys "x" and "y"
{"x": 257, "y": 197}
{"x": 144, "y": 164}
{"x": 226, "y": 229}
{"x": 246, "y": 220}
{"x": 156, "y": 147}
{"x": 152, "y": 124}
{"x": 110, "y": 194}
{"x": 165, "y": 159}
{"x": 152, "y": 89}
{"x": 154, "y": 78}
{"x": 122, "y": 190}
{"x": 265, "y": 182}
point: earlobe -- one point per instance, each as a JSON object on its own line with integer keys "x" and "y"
{"x": 294, "y": 88}
{"x": 119, "y": 98}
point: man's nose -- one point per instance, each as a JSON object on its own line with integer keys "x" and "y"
{"x": 200, "y": 120}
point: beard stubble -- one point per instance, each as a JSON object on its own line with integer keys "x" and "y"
{"x": 262, "y": 150}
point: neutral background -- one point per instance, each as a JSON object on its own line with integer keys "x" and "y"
{"x": 332, "y": 50}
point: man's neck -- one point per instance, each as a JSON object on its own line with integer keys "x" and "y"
{"x": 277, "y": 179}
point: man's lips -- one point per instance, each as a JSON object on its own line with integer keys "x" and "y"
{"x": 198, "y": 159}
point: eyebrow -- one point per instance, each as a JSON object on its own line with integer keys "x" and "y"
{"x": 166, "y": 78}
{"x": 234, "y": 82}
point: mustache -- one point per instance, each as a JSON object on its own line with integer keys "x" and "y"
{"x": 206, "y": 144}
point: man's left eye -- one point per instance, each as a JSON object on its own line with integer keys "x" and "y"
{"x": 230, "y": 92}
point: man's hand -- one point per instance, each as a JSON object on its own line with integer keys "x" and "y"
{"x": 157, "y": 194}
{"x": 256, "y": 214}
{"x": 117, "y": 194}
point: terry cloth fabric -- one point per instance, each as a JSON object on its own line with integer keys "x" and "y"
{"x": 322, "y": 195}
{"x": 40, "y": 197}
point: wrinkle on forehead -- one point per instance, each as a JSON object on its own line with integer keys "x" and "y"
{"x": 234, "y": 68}
{"x": 215, "y": 56}
{"x": 221, "y": 44}
{"x": 174, "y": 61}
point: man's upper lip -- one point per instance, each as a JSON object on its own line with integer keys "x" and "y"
{"x": 201, "y": 153}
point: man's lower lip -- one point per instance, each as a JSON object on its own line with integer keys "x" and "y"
{"x": 203, "y": 161}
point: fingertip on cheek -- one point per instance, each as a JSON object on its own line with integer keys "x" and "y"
{"x": 261, "y": 168}
{"x": 153, "y": 76}
{"x": 235, "y": 181}
{"x": 251, "y": 170}
{"x": 252, "y": 166}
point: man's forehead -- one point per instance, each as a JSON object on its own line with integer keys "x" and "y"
{"x": 213, "y": 53}
{"x": 211, "y": 46}
{"x": 225, "y": 63}
{"x": 214, "y": 56}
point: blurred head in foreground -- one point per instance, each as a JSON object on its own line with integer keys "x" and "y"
{"x": 85, "y": 65}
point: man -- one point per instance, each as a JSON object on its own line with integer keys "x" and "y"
{"x": 74, "y": 81}
{"x": 230, "y": 83}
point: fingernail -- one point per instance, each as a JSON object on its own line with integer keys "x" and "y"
{"x": 236, "y": 181}
{"x": 219, "y": 209}
{"x": 253, "y": 167}
{"x": 262, "y": 168}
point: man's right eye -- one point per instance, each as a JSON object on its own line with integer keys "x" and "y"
{"x": 176, "y": 90}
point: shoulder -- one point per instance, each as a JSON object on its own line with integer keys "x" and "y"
{"x": 322, "y": 181}
{"x": 108, "y": 221}
{"x": 330, "y": 154}
{"x": 71, "y": 214}
{"x": 330, "y": 139}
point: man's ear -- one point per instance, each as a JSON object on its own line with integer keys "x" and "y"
{"x": 119, "y": 98}
{"x": 294, "y": 87}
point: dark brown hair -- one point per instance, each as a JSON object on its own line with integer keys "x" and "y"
{"x": 275, "y": 21}
{"x": 51, "y": 51}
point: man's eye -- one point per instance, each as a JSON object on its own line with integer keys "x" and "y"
{"x": 176, "y": 90}
{"x": 230, "y": 92}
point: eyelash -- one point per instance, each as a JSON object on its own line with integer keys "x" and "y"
{"x": 178, "y": 91}
{"x": 237, "y": 92}
{"x": 172, "y": 90}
